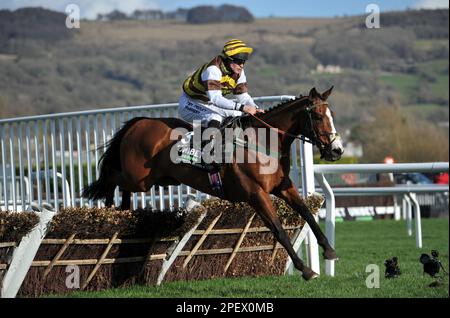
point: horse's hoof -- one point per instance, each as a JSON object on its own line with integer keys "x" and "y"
{"x": 330, "y": 255}
{"x": 309, "y": 274}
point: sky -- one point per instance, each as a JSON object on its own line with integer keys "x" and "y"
{"x": 259, "y": 8}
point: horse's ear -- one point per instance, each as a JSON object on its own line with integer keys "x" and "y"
{"x": 327, "y": 93}
{"x": 313, "y": 94}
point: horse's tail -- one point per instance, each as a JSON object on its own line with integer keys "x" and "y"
{"x": 110, "y": 166}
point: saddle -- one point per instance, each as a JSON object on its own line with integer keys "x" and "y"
{"x": 191, "y": 155}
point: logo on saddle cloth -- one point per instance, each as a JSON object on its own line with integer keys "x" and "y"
{"x": 194, "y": 154}
{"x": 209, "y": 148}
{"x": 190, "y": 155}
{"x": 192, "y": 149}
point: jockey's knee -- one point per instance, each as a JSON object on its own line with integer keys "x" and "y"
{"x": 214, "y": 124}
{"x": 212, "y": 119}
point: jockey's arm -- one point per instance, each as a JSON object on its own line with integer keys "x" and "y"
{"x": 241, "y": 91}
{"x": 248, "y": 102}
{"x": 245, "y": 99}
{"x": 212, "y": 76}
{"x": 216, "y": 97}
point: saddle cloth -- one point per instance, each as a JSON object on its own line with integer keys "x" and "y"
{"x": 189, "y": 154}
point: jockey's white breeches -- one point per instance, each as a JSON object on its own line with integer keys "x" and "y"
{"x": 193, "y": 109}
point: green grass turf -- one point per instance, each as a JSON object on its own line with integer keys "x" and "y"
{"x": 408, "y": 84}
{"x": 405, "y": 84}
{"x": 358, "y": 244}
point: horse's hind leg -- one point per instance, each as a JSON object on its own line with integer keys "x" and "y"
{"x": 126, "y": 193}
{"x": 292, "y": 197}
{"x": 126, "y": 200}
{"x": 109, "y": 199}
{"x": 261, "y": 202}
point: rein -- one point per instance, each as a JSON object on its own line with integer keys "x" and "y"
{"x": 314, "y": 141}
{"x": 282, "y": 132}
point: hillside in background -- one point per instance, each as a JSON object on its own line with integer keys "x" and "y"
{"x": 196, "y": 15}
{"x": 118, "y": 63}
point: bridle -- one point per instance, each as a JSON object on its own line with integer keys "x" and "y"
{"x": 314, "y": 139}
{"x": 314, "y": 134}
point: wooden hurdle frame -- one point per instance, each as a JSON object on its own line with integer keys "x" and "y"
{"x": 168, "y": 258}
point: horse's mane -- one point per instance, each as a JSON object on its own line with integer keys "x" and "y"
{"x": 281, "y": 105}
{"x": 248, "y": 121}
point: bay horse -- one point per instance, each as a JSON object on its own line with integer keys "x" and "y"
{"x": 138, "y": 157}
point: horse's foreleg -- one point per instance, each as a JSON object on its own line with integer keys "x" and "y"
{"x": 293, "y": 198}
{"x": 261, "y": 202}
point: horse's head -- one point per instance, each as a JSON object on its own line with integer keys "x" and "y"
{"x": 320, "y": 128}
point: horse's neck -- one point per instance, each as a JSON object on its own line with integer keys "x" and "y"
{"x": 286, "y": 117}
{"x": 289, "y": 118}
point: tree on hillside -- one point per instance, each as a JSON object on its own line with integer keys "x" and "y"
{"x": 224, "y": 13}
{"x": 113, "y": 16}
{"x": 19, "y": 27}
{"x": 395, "y": 132}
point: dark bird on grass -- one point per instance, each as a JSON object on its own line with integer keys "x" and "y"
{"x": 431, "y": 264}
{"x": 392, "y": 268}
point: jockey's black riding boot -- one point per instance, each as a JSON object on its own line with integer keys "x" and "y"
{"x": 214, "y": 167}
{"x": 212, "y": 124}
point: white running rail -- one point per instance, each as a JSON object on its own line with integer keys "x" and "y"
{"x": 409, "y": 191}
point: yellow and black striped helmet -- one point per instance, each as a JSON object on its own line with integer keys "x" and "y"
{"x": 236, "y": 49}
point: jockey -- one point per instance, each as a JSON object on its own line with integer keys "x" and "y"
{"x": 203, "y": 92}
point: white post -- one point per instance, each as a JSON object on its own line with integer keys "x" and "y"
{"x": 296, "y": 243}
{"x": 408, "y": 215}
{"x": 178, "y": 246}
{"x": 330, "y": 220}
{"x": 397, "y": 212}
{"x": 307, "y": 165}
{"x": 417, "y": 219}
{"x": 404, "y": 206}
{"x": 24, "y": 254}
{"x": 300, "y": 236}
